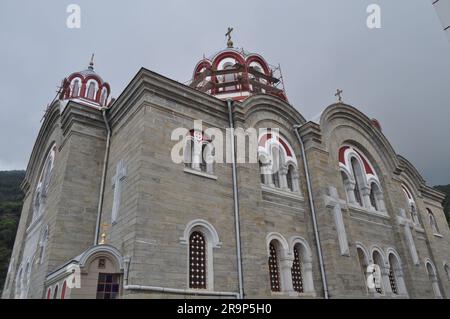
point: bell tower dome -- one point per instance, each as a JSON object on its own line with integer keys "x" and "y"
{"x": 237, "y": 74}
{"x": 86, "y": 87}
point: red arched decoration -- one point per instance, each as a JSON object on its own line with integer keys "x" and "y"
{"x": 63, "y": 290}
{"x": 256, "y": 58}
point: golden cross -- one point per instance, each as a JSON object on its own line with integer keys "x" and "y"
{"x": 339, "y": 95}
{"x": 228, "y": 34}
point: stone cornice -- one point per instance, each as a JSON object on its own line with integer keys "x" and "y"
{"x": 148, "y": 85}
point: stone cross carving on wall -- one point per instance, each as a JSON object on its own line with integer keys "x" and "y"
{"x": 332, "y": 201}
{"x": 117, "y": 182}
{"x": 402, "y": 220}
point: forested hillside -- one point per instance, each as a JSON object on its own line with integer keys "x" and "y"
{"x": 10, "y": 206}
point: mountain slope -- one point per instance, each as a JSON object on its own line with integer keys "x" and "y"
{"x": 11, "y": 197}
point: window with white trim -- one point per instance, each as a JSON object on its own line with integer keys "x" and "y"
{"x": 199, "y": 152}
{"x": 201, "y": 239}
{"x": 277, "y": 163}
{"x": 432, "y": 221}
{"x": 274, "y": 268}
{"x": 410, "y": 205}
{"x": 197, "y": 261}
{"x": 361, "y": 183}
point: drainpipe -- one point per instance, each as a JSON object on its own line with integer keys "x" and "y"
{"x": 177, "y": 291}
{"x": 236, "y": 201}
{"x": 313, "y": 212}
{"x": 102, "y": 185}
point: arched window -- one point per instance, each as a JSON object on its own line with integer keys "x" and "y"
{"x": 197, "y": 261}
{"x": 278, "y": 163}
{"x": 431, "y": 271}
{"x": 392, "y": 279}
{"x": 55, "y": 293}
{"x": 91, "y": 90}
{"x": 199, "y": 152}
{"x": 49, "y": 293}
{"x": 229, "y": 77}
{"x": 297, "y": 272}
{"x": 63, "y": 290}
{"x": 290, "y": 178}
{"x": 432, "y": 221}
{"x": 373, "y": 200}
{"x": 378, "y": 260}
{"x": 396, "y": 281}
{"x": 76, "y": 88}
{"x": 274, "y": 269}
{"x": 410, "y": 205}
{"x": 361, "y": 183}
{"x": 104, "y": 96}
{"x": 201, "y": 239}
{"x": 356, "y": 170}
{"x": 363, "y": 263}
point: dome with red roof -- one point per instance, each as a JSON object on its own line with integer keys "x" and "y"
{"x": 86, "y": 87}
{"x": 237, "y": 74}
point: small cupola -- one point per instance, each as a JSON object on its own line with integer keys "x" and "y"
{"x": 237, "y": 74}
{"x": 86, "y": 87}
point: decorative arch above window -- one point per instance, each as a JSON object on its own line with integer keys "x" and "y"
{"x": 396, "y": 281}
{"x": 432, "y": 276}
{"x": 362, "y": 185}
{"x": 199, "y": 152}
{"x": 278, "y": 163}
{"x": 433, "y": 222}
{"x": 411, "y": 205}
{"x": 91, "y": 89}
{"x": 201, "y": 238}
{"x": 75, "y": 86}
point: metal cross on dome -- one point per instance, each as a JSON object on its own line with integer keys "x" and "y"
{"x": 339, "y": 95}
{"x": 228, "y": 34}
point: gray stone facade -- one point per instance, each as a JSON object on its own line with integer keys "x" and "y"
{"x": 159, "y": 198}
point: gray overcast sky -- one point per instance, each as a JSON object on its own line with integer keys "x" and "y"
{"x": 399, "y": 74}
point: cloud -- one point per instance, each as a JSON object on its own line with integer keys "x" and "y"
{"x": 398, "y": 74}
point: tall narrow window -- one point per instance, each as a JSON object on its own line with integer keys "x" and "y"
{"x": 261, "y": 174}
{"x": 203, "y": 159}
{"x": 296, "y": 270}
{"x": 357, "y": 190}
{"x": 273, "y": 268}
{"x": 104, "y": 96}
{"x": 433, "y": 222}
{"x": 289, "y": 178}
{"x": 363, "y": 264}
{"x": 378, "y": 260}
{"x": 91, "y": 91}
{"x": 197, "y": 261}
{"x": 373, "y": 200}
{"x": 63, "y": 290}
{"x": 392, "y": 281}
{"x": 431, "y": 270}
{"x": 55, "y": 293}
{"x": 276, "y": 179}
{"x": 76, "y": 88}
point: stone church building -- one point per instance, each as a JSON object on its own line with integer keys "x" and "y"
{"x": 327, "y": 210}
